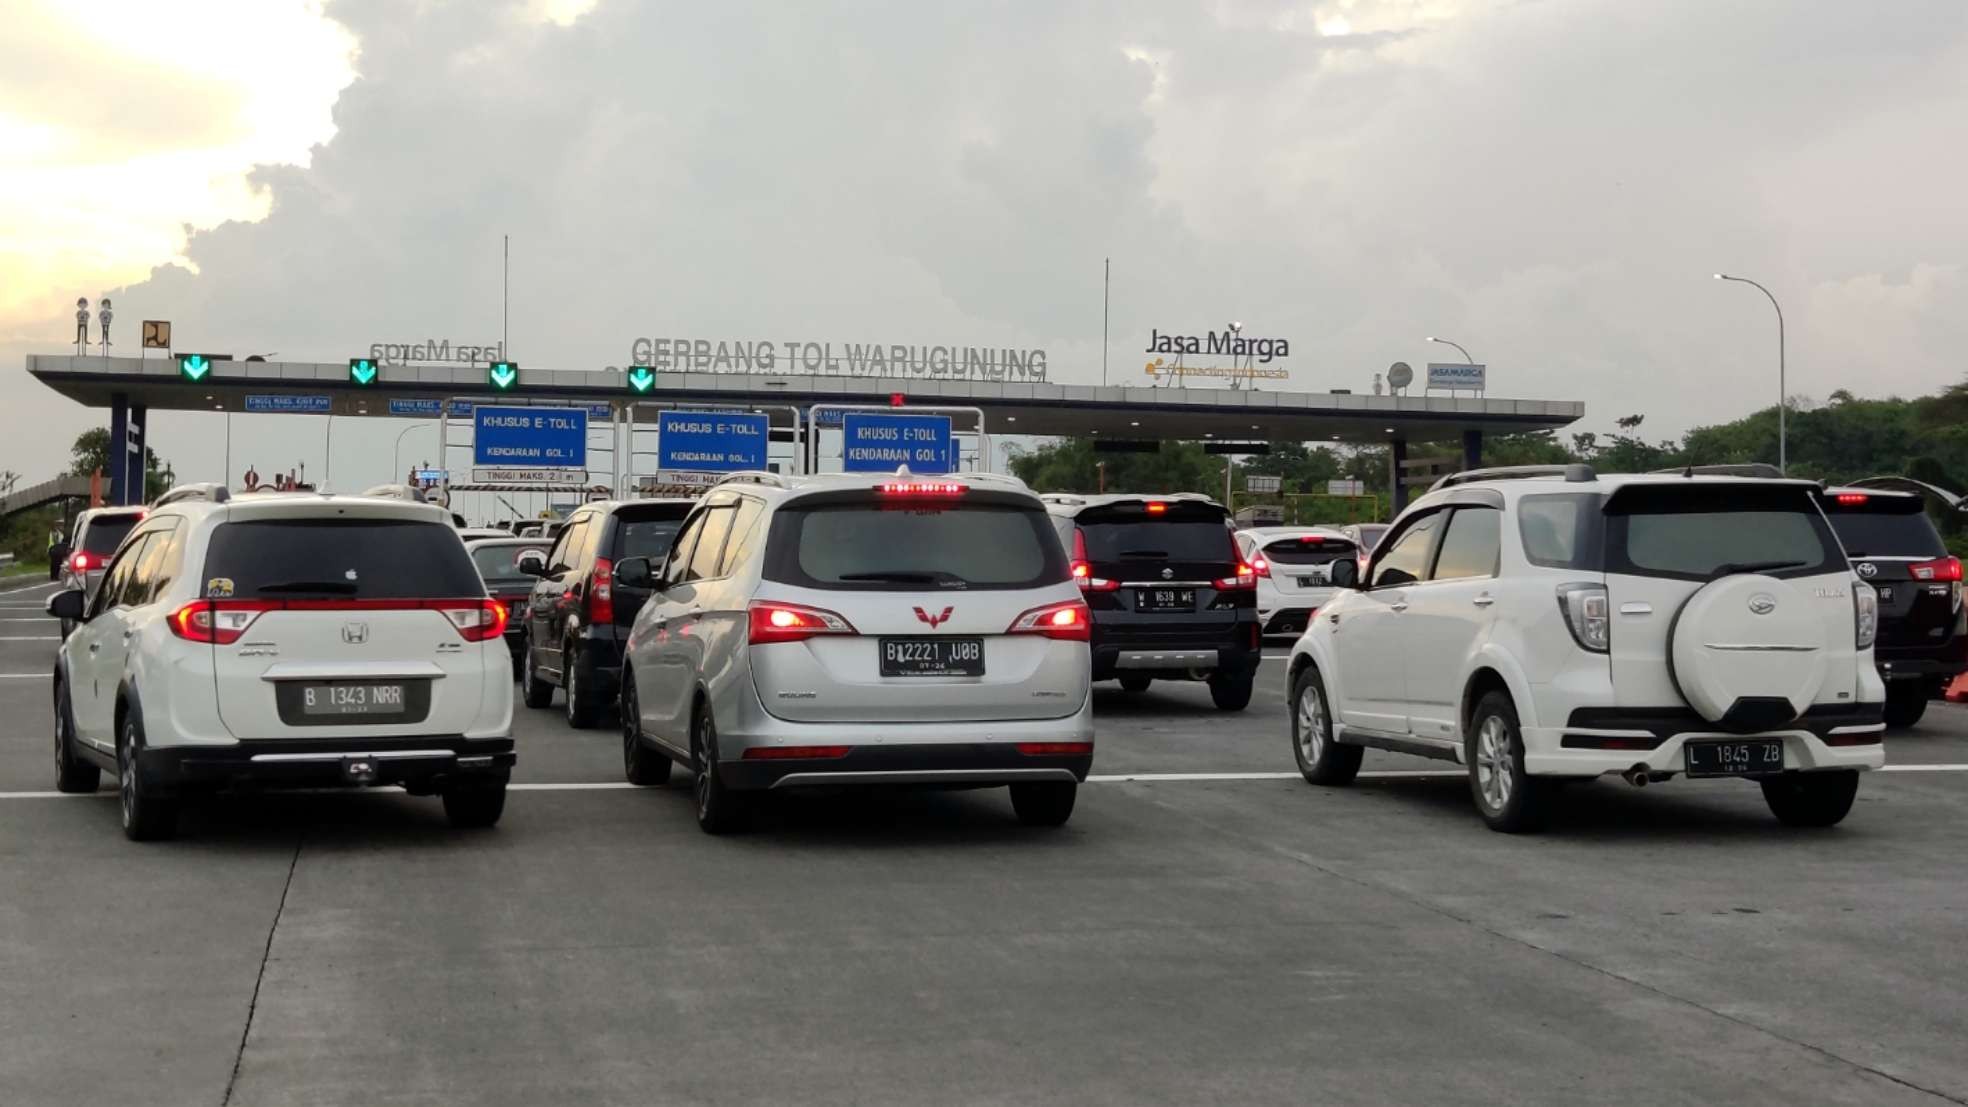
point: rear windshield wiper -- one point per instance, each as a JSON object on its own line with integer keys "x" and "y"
{"x": 1735, "y": 567}
{"x": 335, "y": 587}
{"x": 905, "y": 576}
{"x": 1163, "y": 554}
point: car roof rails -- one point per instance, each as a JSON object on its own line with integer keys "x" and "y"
{"x": 209, "y": 491}
{"x": 396, "y": 492}
{"x": 753, "y": 476}
{"x": 1759, "y": 469}
{"x": 1575, "y": 473}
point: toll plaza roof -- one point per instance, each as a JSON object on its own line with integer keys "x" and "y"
{"x": 1110, "y": 412}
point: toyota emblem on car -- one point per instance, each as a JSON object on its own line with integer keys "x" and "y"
{"x": 1867, "y": 569}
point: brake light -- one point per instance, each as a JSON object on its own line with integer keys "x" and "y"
{"x": 476, "y": 620}
{"x": 1157, "y": 508}
{"x": 1068, "y": 621}
{"x": 1262, "y": 567}
{"x": 794, "y": 753}
{"x": 1942, "y": 569}
{"x": 1310, "y": 539}
{"x": 1865, "y": 617}
{"x": 1054, "y": 749}
{"x": 221, "y": 622}
{"x": 216, "y": 622}
{"x": 1083, "y": 569}
{"x": 1588, "y": 615}
{"x": 922, "y": 488}
{"x": 1245, "y": 576}
{"x": 79, "y": 563}
{"x": 601, "y": 593}
{"x": 1851, "y": 498}
{"x": 791, "y": 622}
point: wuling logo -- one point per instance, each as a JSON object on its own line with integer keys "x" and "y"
{"x": 934, "y": 621}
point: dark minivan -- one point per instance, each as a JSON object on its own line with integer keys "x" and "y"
{"x": 1171, "y": 597}
{"x": 577, "y": 620}
{"x": 1923, "y": 631}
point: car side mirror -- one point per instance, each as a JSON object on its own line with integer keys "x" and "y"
{"x": 532, "y": 563}
{"x": 635, "y": 572}
{"x": 71, "y": 605}
{"x": 1344, "y": 573}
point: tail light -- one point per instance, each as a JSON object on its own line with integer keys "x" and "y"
{"x": 222, "y": 622}
{"x": 601, "y": 593}
{"x": 1262, "y": 567}
{"x": 476, "y": 620}
{"x": 791, "y": 622}
{"x": 1589, "y": 615}
{"x": 1083, "y": 569}
{"x": 79, "y": 563}
{"x": 1865, "y": 616}
{"x": 1244, "y": 577}
{"x": 1068, "y": 621}
{"x": 1054, "y": 749}
{"x": 1943, "y": 569}
{"x": 217, "y": 622}
{"x": 795, "y": 753}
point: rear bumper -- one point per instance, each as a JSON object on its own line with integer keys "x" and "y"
{"x": 1914, "y": 662}
{"x": 1235, "y": 647}
{"x": 1608, "y": 740}
{"x": 417, "y": 763}
{"x": 958, "y": 764}
{"x": 1286, "y": 620}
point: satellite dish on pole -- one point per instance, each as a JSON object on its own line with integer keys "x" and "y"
{"x": 1399, "y": 375}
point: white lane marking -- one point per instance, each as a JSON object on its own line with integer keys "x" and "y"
{"x": 1118, "y": 778}
{"x": 42, "y": 619}
{"x": 32, "y": 638}
{"x": 25, "y": 676}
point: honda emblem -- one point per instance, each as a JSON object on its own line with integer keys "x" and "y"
{"x": 355, "y": 634}
{"x": 934, "y": 621}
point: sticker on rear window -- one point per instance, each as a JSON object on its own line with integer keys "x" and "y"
{"x": 218, "y": 588}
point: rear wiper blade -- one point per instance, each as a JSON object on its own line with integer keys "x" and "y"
{"x": 1163, "y": 554}
{"x": 924, "y": 576}
{"x": 1735, "y": 567}
{"x": 337, "y": 587}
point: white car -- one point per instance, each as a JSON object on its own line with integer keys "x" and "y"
{"x": 1541, "y": 625}
{"x": 857, "y": 629}
{"x": 1293, "y": 565}
{"x": 285, "y": 640}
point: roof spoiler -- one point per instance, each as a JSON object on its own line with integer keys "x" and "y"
{"x": 1759, "y": 469}
{"x": 1908, "y": 484}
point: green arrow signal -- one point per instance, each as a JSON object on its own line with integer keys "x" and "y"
{"x": 362, "y": 370}
{"x": 194, "y": 366}
{"x": 504, "y": 374}
{"x": 642, "y": 378}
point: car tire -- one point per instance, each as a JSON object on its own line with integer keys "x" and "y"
{"x": 582, "y": 709}
{"x": 1045, "y": 802}
{"x": 719, "y": 809}
{"x": 473, "y": 805}
{"x": 147, "y": 817}
{"x": 1814, "y": 799}
{"x": 533, "y": 691}
{"x": 72, "y": 774}
{"x": 641, "y": 765}
{"x": 1232, "y": 691}
{"x": 1509, "y": 799}
{"x": 1321, "y": 760}
{"x": 1136, "y": 683}
{"x": 1906, "y": 702}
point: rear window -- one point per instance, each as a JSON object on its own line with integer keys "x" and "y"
{"x": 648, "y": 532}
{"x": 1691, "y": 532}
{"x": 104, "y": 534}
{"x": 1371, "y": 534}
{"x": 879, "y": 547}
{"x": 502, "y": 561}
{"x": 1309, "y": 549}
{"x": 1183, "y": 533}
{"x": 1561, "y": 532}
{"x": 382, "y": 559}
{"x": 1885, "y": 527}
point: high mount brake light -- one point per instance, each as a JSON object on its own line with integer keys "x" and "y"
{"x": 1852, "y": 498}
{"x": 1157, "y": 508}
{"x": 922, "y": 488}
{"x": 221, "y": 622}
{"x": 1083, "y": 569}
{"x": 790, "y": 622}
{"x": 1068, "y": 621}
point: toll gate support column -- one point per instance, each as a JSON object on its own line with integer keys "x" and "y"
{"x": 1472, "y": 449}
{"x": 1397, "y": 453}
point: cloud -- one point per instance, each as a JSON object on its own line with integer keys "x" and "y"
{"x": 1549, "y": 184}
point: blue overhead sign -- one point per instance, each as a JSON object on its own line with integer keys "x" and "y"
{"x": 287, "y": 404}
{"x": 711, "y": 441}
{"x": 460, "y": 409}
{"x": 880, "y": 442}
{"x": 530, "y": 437}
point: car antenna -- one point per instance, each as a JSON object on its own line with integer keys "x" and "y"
{"x": 1689, "y": 471}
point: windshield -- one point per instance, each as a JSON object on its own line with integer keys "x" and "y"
{"x": 105, "y": 533}
{"x": 360, "y": 558}
{"x": 923, "y": 546}
{"x": 502, "y": 561}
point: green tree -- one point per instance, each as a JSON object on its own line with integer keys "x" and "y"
{"x": 1071, "y": 465}
{"x": 91, "y": 453}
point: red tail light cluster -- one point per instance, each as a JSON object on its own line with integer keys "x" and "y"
{"x": 79, "y": 563}
{"x": 1083, "y": 569}
{"x": 1054, "y": 749}
{"x": 795, "y": 753}
{"x": 601, "y": 593}
{"x": 1244, "y": 577}
{"x": 222, "y": 622}
{"x": 1069, "y": 621}
{"x": 1942, "y": 569}
{"x": 1261, "y": 567}
{"x": 790, "y": 622}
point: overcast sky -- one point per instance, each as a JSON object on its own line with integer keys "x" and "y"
{"x": 1549, "y": 183}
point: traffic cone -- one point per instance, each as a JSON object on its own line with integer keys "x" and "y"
{"x": 1957, "y": 690}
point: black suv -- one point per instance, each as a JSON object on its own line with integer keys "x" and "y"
{"x": 578, "y": 619}
{"x": 1171, "y": 597}
{"x": 1923, "y": 631}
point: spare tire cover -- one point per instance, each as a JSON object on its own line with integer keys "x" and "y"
{"x": 1748, "y": 637}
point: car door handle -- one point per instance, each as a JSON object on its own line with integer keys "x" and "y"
{"x": 1398, "y": 605}
{"x": 1483, "y": 600}
{"x": 95, "y": 646}
{"x": 129, "y": 634}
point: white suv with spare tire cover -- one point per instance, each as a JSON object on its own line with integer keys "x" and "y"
{"x": 1546, "y": 624}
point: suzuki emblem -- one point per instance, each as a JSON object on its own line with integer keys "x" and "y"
{"x": 1868, "y": 570}
{"x": 934, "y": 621}
{"x": 1762, "y": 603}
{"x": 355, "y": 634}
{"x": 1168, "y": 574}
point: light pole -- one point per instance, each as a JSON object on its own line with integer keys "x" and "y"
{"x": 1782, "y": 452}
{"x": 1466, "y": 359}
{"x": 396, "y": 463}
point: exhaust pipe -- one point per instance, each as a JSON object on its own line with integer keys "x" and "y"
{"x": 1636, "y": 776}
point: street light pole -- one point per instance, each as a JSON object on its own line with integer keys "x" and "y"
{"x": 1782, "y": 391}
{"x": 1467, "y": 360}
{"x": 396, "y": 465}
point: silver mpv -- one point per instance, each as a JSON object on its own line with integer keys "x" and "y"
{"x": 847, "y": 629}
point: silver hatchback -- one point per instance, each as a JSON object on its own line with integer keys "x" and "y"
{"x": 860, "y": 629}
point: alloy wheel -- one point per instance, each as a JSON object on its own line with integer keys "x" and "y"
{"x": 1493, "y": 776}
